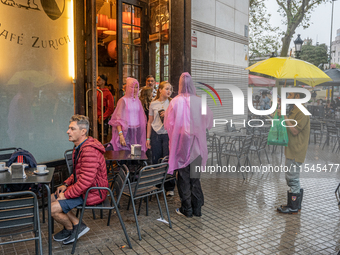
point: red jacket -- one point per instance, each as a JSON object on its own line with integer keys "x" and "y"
{"x": 90, "y": 172}
{"x": 108, "y": 103}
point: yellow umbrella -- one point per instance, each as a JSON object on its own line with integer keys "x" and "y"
{"x": 291, "y": 68}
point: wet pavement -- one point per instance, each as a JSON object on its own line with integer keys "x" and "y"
{"x": 239, "y": 217}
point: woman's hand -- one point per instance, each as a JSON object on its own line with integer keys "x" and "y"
{"x": 162, "y": 114}
{"x": 122, "y": 140}
{"x": 148, "y": 145}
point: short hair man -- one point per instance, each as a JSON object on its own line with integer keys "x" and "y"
{"x": 150, "y": 82}
{"x": 108, "y": 103}
{"x": 89, "y": 170}
{"x": 295, "y": 153}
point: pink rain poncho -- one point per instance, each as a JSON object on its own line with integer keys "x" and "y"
{"x": 129, "y": 114}
{"x": 186, "y": 126}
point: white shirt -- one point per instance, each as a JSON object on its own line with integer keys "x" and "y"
{"x": 157, "y": 123}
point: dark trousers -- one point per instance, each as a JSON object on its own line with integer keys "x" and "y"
{"x": 189, "y": 189}
{"x": 160, "y": 149}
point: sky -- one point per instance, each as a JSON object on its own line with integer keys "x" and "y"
{"x": 320, "y": 22}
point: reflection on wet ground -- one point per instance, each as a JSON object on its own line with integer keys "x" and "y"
{"x": 239, "y": 217}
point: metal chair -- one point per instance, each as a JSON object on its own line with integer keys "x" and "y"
{"x": 212, "y": 144}
{"x": 315, "y": 129}
{"x": 110, "y": 203}
{"x": 20, "y": 215}
{"x": 260, "y": 145}
{"x": 148, "y": 179}
{"x": 229, "y": 149}
{"x": 332, "y": 132}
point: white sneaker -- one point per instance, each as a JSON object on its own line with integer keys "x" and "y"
{"x": 170, "y": 193}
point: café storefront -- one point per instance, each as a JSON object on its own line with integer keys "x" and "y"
{"x": 53, "y": 50}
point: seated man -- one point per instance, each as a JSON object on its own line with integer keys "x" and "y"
{"x": 89, "y": 170}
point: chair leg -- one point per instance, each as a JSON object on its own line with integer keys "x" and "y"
{"x": 167, "y": 209}
{"x": 94, "y": 214}
{"x": 147, "y": 206}
{"x": 159, "y": 207}
{"x": 140, "y": 205}
{"x": 77, "y": 231}
{"x": 135, "y": 214}
{"x": 77, "y": 213}
{"x": 258, "y": 154}
{"x": 122, "y": 224}
{"x": 267, "y": 156}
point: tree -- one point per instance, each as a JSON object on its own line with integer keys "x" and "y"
{"x": 314, "y": 54}
{"x": 263, "y": 38}
{"x": 296, "y": 13}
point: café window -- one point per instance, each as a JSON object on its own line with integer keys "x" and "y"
{"x": 132, "y": 30}
{"x": 159, "y": 39}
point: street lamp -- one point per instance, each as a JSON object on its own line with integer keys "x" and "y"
{"x": 298, "y": 45}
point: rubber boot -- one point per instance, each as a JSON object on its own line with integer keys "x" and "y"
{"x": 301, "y": 197}
{"x": 292, "y": 206}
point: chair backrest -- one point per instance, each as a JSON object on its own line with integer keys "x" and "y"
{"x": 315, "y": 125}
{"x": 69, "y": 161}
{"x": 332, "y": 129}
{"x": 150, "y": 176}
{"x": 6, "y": 153}
{"x": 120, "y": 181}
{"x": 163, "y": 160}
{"x": 246, "y": 144}
{"x": 19, "y": 214}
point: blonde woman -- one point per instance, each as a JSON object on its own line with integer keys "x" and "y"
{"x": 157, "y": 137}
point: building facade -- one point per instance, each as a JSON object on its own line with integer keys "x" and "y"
{"x": 335, "y": 54}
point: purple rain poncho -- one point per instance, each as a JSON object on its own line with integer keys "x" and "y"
{"x": 186, "y": 126}
{"x": 129, "y": 114}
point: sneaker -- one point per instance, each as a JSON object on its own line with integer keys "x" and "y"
{"x": 178, "y": 211}
{"x": 170, "y": 193}
{"x": 82, "y": 231}
{"x": 62, "y": 235}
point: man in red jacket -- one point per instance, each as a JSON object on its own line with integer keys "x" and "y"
{"x": 89, "y": 170}
{"x": 108, "y": 104}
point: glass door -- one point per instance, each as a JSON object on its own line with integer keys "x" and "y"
{"x": 131, "y": 34}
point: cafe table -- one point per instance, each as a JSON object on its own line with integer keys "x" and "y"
{"x": 31, "y": 178}
{"x": 124, "y": 155}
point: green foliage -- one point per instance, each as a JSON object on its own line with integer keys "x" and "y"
{"x": 263, "y": 38}
{"x": 337, "y": 66}
{"x": 295, "y": 13}
{"x": 315, "y": 55}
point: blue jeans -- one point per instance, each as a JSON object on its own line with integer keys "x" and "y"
{"x": 293, "y": 176}
{"x": 160, "y": 149}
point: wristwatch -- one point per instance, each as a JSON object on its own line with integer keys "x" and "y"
{"x": 65, "y": 184}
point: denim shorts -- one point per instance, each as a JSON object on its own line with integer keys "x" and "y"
{"x": 68, "y": 204}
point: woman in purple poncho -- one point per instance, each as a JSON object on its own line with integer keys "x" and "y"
{"x": 186, "y": 127}
{"x": 128, "y": 120}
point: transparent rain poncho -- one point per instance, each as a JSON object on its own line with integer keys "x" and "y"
{"x": 129, "y": 114}
{"x": 186, "y": 126}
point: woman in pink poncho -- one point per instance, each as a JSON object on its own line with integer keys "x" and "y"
{"x": 128, "y": 120}
{"x": 186, "y": 127}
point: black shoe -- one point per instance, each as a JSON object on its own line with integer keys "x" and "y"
{"x": 62, "y": 235}
{"x": 197, "y": 212}
{"x": 82, "y": 231}
{"x": 181, "y": 212}
{"x": 293, "y": 204}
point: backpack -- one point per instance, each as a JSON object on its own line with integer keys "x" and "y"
{"x": 22, "y": 156}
